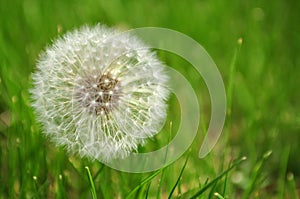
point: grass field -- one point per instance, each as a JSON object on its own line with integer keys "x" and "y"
{"x": 263, "y": 121}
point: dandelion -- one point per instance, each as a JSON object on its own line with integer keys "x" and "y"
{"x": 99, "y": 93}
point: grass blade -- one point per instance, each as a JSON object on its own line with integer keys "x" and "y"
{"x": 158, "y": 194}
{"x": 179, "y": 177}
{"x": 292, "y": 186}
{"x": 208, "y": 185}
{"x": 146, "y": 180}
{"x": 212, "y": 190}
{"x": 147, "y": 191}
{"x": 256, "y": 172}
{"x": 99, "y": 171}
{"x": 225, "y": 183}
{"x": 282, "y": 173}
{"x": 219, "y": 196}
{"x": 93, "y": 190}
{"x": 231, "y": 77}
{"x": 60, "y": 193}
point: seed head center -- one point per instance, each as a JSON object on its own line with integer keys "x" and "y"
{"x": 100, "y": 93}
{"x": 107, "y": 94}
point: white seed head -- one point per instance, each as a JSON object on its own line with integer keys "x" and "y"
{"x": 99, "y": 93}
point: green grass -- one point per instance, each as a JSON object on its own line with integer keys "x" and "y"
{"x": 262, "y": 83}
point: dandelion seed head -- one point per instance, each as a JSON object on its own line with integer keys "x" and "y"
{"x": 99, "y": 93}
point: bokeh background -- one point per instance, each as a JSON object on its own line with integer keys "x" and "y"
{"x": 264, "y": 103}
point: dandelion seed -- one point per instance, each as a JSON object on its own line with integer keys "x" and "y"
{"x": 98, "y": 94}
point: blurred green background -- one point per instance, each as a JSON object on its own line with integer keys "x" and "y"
{"x": 265, "y": 101}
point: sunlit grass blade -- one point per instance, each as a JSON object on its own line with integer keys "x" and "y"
{"x": 231, "y": 76}
{"x": 218, "y": 195}
{"x": 292, "y": 186}
{"x": 60, "y": 193}
{"x": 147, "y": 191}
{"x": 225, "y": 183}
{"x": 93, "y": 190}
{"x": 143, "y": 191}
{"x": 162, "y": 177}
{"x": 146, "y": 180}
{"x": 255, "y": 174}
{"x": 212, "y": 190}
{"x": 230, "y": 88}
{"x": 282, "y": 174}
{"x": 158, "y": 193}
{"x": 39, "y": 189}
{"x": 36, "y": 187}
{"x": 179, "y": 177}
{"x": 208, "y": 185}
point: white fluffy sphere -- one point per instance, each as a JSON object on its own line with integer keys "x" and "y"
{"x": 98, "y": 93}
